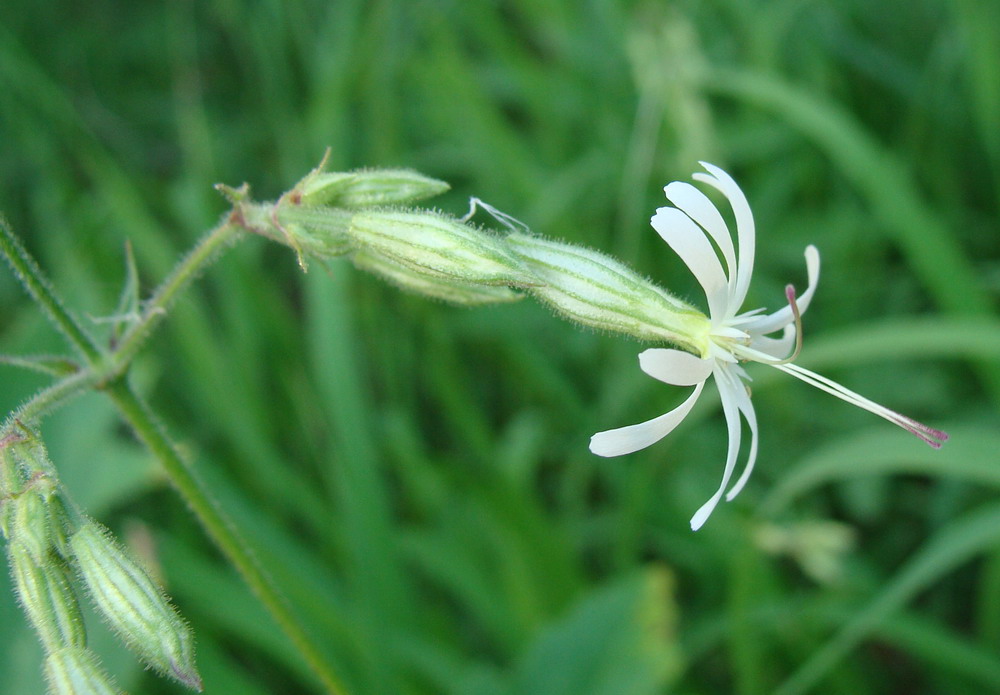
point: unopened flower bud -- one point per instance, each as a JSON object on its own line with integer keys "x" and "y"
{"x": 428, "y": 285}
{"x": 595, "y": 290}
{"x": 317, "y": 232}
{"x": 29, "y": 523}
{"x": 134, "y": 606}
{"x": 47, "y": 598}
{"x": 30, "y": 454}
{"x": 74, "y": 671}
{"x": 35, "y": 519}
{"x": 367, "y": 188}
{"x": 11, "y": 479}
{"x": 437, "y": 246}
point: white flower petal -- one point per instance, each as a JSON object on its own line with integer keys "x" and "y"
{"x": 740, "y": 372}
{"x": 745, "y": 405}
{"x": 729, "y": 394}
{"x": 675, "y": 367}
{"x": 778, "y": 348}
{"x": 689, "y": 242}
{"x": 746, "y": 316}
{"x": 699, "y": 208}
{"x": 782, "y": 317}
{"x": 625, "y": 440}
{"x": 745, "y": 231}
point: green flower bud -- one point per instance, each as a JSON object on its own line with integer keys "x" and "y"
{"x": 432, "y": 286}
{"x": 47, "y": 598}
{"x": 318, "y": 232}
{"x": 134, "y": 606}
{"x": 595, "y": 290}
{"x": 437, "y": 246}
{"x": 366, "y": 188}
{"x": 36, "y": 518}
{"x": 75, "y": 671}
{"x": 29, "y": 454}
{"x": 11, "y": 479}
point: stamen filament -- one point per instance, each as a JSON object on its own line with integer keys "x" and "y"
{"x": 929, "y": 435}
{"x": 797, "y": 318}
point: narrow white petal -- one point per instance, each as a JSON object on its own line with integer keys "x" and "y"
{"x": 745, "y": 231}
{"x": 747, "y": 315}
{"x": 690, "y": 243}
{"x": 727, "y": 330}
{"x": 729, "y": 396}
{"x": 626, "y": 440}
{"x": 699, "y": 208}
{"x": 778, "y": 348}
{"x": 782, "y": 317}
{"x": 740, "y": 372}
{"x": 675, "y": 367}
{"x": 745, "y": 405}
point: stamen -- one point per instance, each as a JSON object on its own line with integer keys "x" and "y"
{"x": 930, "y": 436}
{"x": 745, "y": 352}
{"x": 509, "y": 221}
{"x": 790, "y": 295}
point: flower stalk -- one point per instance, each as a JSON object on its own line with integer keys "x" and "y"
{"x": 41, "y": 290}
{"x": 155, "y": 310}
{"x": 222, "y": 532}
{"x": 106, "y": 369}
{"x": 441, "y": 257}
{"x": 366, "y": 217}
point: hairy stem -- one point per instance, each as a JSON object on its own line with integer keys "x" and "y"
{"x": 107, "y": 369}
{"x": 49, "y": 399}
{"x": 155, "y": 310}
{"x": 137, "y": 414}
{"x": 41, "y": 291}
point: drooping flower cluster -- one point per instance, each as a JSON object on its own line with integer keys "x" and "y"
{"x": 691, "y": 228}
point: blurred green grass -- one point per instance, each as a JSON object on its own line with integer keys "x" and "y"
{"x": 415, "y": 475}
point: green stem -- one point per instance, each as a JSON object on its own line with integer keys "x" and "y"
{"x": 183, "y": 275}
{"x": 107, "y": 370}
{"x": 42, "y": 292}
{"x": 218, "y": 527}
{"x": 102, "y": 366}
{"x": 51, "y": 398}
{"x": 211, "y": 517}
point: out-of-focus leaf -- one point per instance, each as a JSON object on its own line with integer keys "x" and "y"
{"x": 618, "y": 640}
{"x": 970, "y": 455}
{"x": 953, "y": 545}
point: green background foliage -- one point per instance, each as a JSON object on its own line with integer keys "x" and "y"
{"x": 416, "y": 476}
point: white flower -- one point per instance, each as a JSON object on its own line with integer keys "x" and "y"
{"x": 690, "y": 229}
